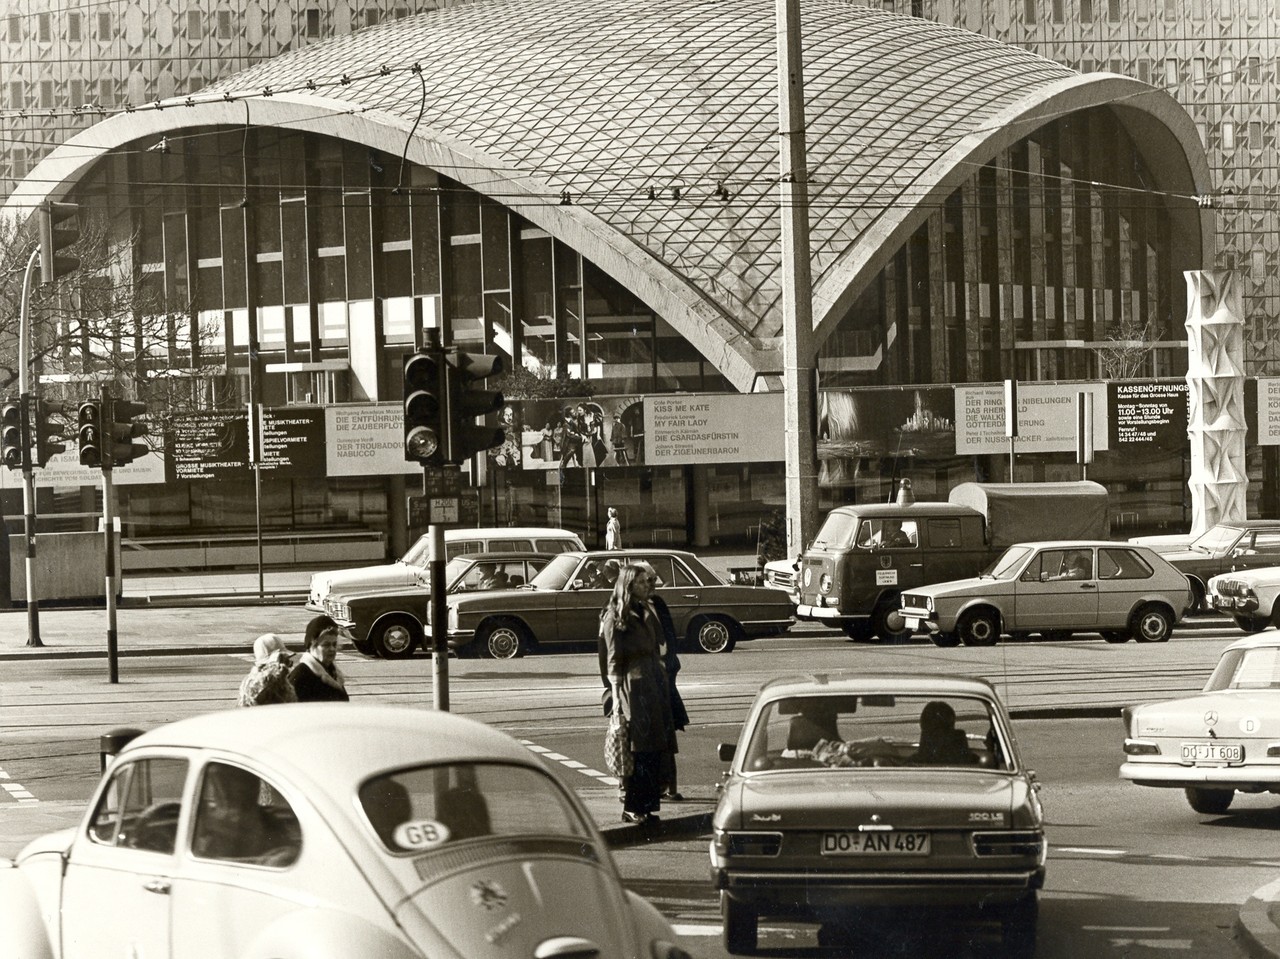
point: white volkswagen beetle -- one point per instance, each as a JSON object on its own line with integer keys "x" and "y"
{"x": 326, "y": 830}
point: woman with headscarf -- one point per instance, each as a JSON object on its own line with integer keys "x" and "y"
{"x": 317, "y": 678}
{"x": 631, "y": 641}
{"x": 268, "y": 680}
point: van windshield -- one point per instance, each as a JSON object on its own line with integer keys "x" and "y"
{"x": 837, "y": 532}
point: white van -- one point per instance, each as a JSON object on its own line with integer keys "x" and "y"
{"x": 412, "y": 566}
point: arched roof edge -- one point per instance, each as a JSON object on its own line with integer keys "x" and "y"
{"x": 738, "y": 357}
{"x": 862, "y": 261}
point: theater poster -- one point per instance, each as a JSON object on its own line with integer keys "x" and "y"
{"x": 854, "y": 425}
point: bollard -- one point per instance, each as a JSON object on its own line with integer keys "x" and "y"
{"x": 114, "y": 740}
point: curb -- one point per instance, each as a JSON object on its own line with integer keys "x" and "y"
{"x": 1258, "y": 935}
{"x": 630, "y": 835}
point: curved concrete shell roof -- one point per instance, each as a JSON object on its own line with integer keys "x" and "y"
{"x": 610, "y": 99}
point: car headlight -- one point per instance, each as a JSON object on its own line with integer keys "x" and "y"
{"x": 453, "y": 618}
{"x": 825, "y": 583}
{"x": 340, "y": 611}
{"x": 928, "y": 603}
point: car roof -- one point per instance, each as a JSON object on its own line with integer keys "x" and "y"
{"x": 1248, "y": 524}
{"x": 494, "y": 532}
{"x": 633, "y": 552}
{"x": 340, "y": 741}
{"x": 849, "y": 681}
{"x": 500, "y": 555}
{"x": 1261, "y": 640}
{"x": 1080, "y": 544}
{"x": 919, "y": 508}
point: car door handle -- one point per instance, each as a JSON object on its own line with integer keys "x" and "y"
{"x": 160, "y": 886}
{"x": 1088, "y": 585}
{"x": 688, "y": 595}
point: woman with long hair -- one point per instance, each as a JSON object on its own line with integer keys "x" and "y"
{"x": 631, "y": 641}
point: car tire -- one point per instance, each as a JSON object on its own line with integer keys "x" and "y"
{"x": 1018, "y": 927}
{"x": 1151, "y": 624}
{"x": 1251, "y": 624}
{"x": 859, "y": 631}
{"x": 979, "y": 627}
{"x": 362, "y": 646}
{"x": 945, "y": 640}
{"x": 501, "y": 639}
{"x": 395, "y": 637}
{"x": 1056, "y": 635}
{"x": 1116, "y": 636}
{"x": 1211, "y": 802}
{"x": 711, "y": 634}
{"x": 741, "y": 926}
{"x": 887, "y": 621}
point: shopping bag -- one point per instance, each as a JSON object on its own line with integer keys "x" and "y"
{"x": 617, "y": 746}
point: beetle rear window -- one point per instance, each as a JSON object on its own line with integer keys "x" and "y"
{"x": 422, "y": 809}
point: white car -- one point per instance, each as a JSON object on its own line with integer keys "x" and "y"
{"x": 1248, "y": 596}
{"x": 323, "y": 831}
{"x": 1055, "y": 589}
{"x": 411, "y": 568}
{"x": 783, "y": 574}
{"x": 1224, "y": 740}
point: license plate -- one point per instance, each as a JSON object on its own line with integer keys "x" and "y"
{"x": 1212, "y": 753}
{"x": 913, "y": 622}
{"x": 875, "y": 844}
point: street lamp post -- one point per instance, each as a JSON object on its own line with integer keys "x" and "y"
{"x": 799, "y": 374}
{"x": 28, "y": 474}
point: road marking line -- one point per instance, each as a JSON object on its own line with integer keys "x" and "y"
{"x": 17, "y": 790}
{"x": 1090, "y": 850}
{"x": 603, "y": 778}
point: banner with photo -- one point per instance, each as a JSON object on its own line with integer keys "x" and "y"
{"x": 599, "y": 431}
{"x": 874, "y": 423}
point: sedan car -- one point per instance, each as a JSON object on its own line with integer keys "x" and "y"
{"x": 1224, "y": 548}
{"x": 1248, "y": 596}
{"x": 853, "y": 790}
{"x": 281, "y": 832}
{"x": 562, "y": 605}
{"x": 1222, "y": 741}
{"x": 389, "y": 622}
{"x": 1056, "y": 588}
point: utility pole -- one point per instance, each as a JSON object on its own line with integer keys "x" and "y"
{"x": 28, "y": 474}
{"x": 799, "y": 373}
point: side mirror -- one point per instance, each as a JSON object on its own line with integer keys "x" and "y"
{"x": 726, "y": 752}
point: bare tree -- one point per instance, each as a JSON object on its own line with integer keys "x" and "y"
{"x": 106, "y": 324}
{"x": 1128, "y": 350}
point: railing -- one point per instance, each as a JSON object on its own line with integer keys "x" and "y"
{"x": 240, "y": 549}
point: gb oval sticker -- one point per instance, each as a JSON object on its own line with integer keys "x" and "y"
{"x": 422, "y": 834}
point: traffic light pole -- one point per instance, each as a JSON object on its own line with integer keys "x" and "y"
{"x": 109, "y": 535}
{"x": 439, "y": 619}
{"x": 28, "y": 473}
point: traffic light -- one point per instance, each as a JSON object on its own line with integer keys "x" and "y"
{"x": 426, "y": 424}
{"x": 120, "y": 432}
{"x": 467, "y": 400}
{"x": 50, "y": 432}
{"x": 59, "y": 231}
{"x": 89, "y": 427}
{"x": 14, "y": 449}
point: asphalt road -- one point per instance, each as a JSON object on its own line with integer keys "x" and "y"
{"x": 1132, "y": 872}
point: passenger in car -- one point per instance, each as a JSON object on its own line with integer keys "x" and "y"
{"x": 941, "y": 743}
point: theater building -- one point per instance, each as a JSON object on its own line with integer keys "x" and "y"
{"x": 591, "y": 191}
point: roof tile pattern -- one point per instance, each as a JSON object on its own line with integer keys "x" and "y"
{"x": 609, "y": 98}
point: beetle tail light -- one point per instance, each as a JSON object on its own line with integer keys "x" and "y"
{"x": 1273, "y": 751}
{"x": 1140, "y": 747}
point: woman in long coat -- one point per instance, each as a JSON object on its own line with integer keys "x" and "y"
{"x": 632, "y": 640}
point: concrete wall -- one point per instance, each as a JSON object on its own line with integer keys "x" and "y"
{"x": 68, "y": 566}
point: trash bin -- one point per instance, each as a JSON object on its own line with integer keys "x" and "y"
{"x": 114, "y": 740}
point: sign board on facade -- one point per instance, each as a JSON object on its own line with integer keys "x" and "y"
{"x": 1046, "y": 418}
{"x": 365, "y": 441}
{"x": 713, "y": 428}
{"x": 1268, "y": 407}
{"x": 1148, "y": 414}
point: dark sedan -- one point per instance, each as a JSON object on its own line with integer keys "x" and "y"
{"x": 389, "y": 622}
{"x": 1225, "y": 548}
{"x": 562, "y": 606}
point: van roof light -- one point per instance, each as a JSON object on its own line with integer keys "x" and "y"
{"x": 905, "y": 496}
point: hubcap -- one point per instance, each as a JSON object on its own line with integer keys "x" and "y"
{"x": 713, "y": 637}
{"x": 1152, "y": 627}
{"x": 397, "y": 639}
{"x": 503, "y": 643}
{"x": 896, "y": 622}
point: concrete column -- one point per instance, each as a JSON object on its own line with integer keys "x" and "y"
{"x": 1215, "y": 401}
{"x": 701, "y": 504}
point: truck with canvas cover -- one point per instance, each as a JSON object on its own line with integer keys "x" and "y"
{"x": 863, "y": 557}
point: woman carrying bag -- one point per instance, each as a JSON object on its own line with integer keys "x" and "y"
{"x": 630, "y": 640}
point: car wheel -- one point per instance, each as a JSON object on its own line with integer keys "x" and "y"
{"x": 859, "y": 631}
{"x": 979, "y": 627}
{"x": 363, "y": 646}
{"x": 1018, "y": 927}
{"x": 1152, "y": 624}
{"x": 1056, "y": 635}
{"x": 1251, "y": 624}
{"x": 501, "y": 639}
{"x": 1116, "y": 636}
{"x": 945, "y": 639}
{"x": 888, "y": 623}
{"x": 711, "y": 635}
{"x": 1211, "y": 802}
{"x": 395, "y": 637}
{"x": 741, "y": 926}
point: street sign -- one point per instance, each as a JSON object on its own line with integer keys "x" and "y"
{"x": 443, "y": 510}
